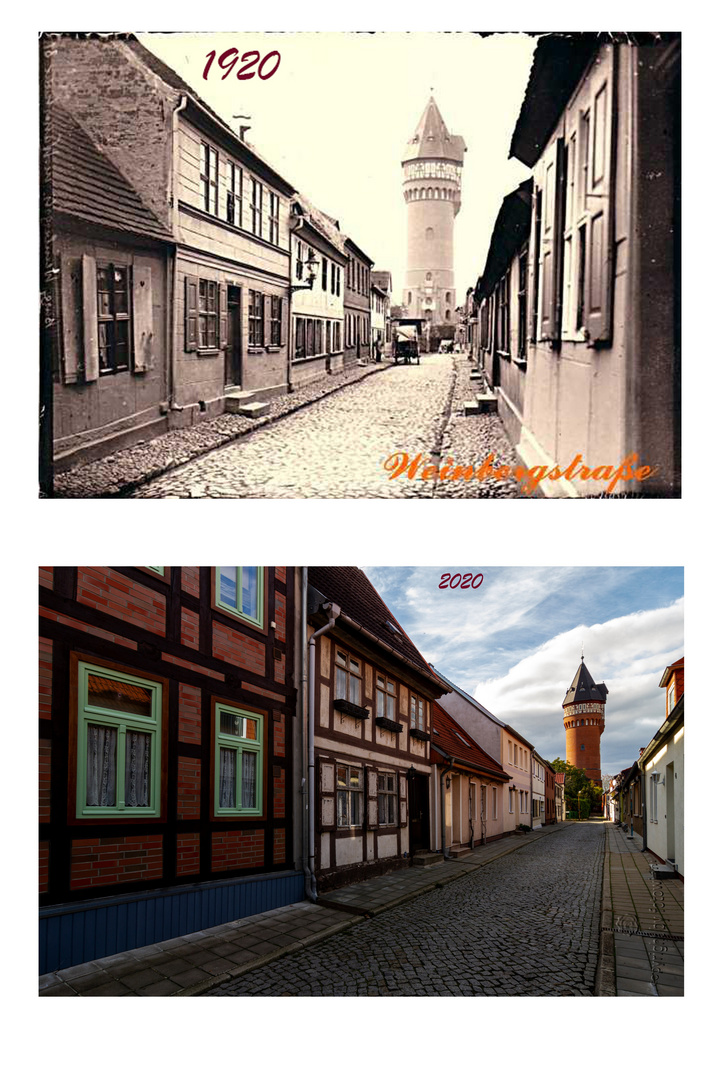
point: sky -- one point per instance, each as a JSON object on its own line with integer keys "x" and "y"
{"x": 515, "y": 642}
{"x": 335, "y": 118}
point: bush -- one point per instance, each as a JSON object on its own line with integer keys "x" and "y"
{"x": 584, "y": 808}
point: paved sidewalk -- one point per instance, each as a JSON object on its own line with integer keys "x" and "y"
{"x": 642, "y": 924}
{"x": 197, "y": 962}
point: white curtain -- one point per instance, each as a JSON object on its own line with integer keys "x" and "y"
{"x": 248, "y": 781}
{"x": 101, "y": 765}
{"x": 228, "y": 766}
{"x": 137, "y": 769}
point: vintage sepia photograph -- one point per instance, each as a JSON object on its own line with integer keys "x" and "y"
{"x": 387, "y": 781}
{"x": 360, "y": 265}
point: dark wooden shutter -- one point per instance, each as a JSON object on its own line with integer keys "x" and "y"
{"x": 551, "y": 238}
{"x": 371, "y": 799}
{"x": 402, "y": 800}
{"x": 600, "y": 200}
{"x": 533, "y": 282}
{"x": 143, "y": 340}
{"x": 326, "y": 809}
{"x": 71, "y": 320}
{"x": 282, "y": 311}
{"x": 91, "y": 357}
{"x": 223, "y": 318}
{"x": 191, "y": 313}
{"x": 267, "y": 314}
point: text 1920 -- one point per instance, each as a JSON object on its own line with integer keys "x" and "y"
{"x": 227, "y": 60}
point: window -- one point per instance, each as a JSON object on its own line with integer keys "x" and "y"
{"x": 515, "y": 757}
{"x": 473, "y": 802}
{"x": 256, "y": 318}
{"x": 347, "y": 678}
{"x": 417, "y": 713}
{"x": 207, "y": 314}
{"x": 234, "y": 194}
{"x": 671, "y": 697}
{"x": 582, "y": 746}
{"x": 209, "y": 177}
{"x": 299, "y": 338}
{"x": 494, "y": 804}
{"x": 119, "y": 743}
{"x": 503, "y": 316}
{"x": 256, "y": 208}
{"x": 385, "y": 697}
{"x": 349, "y": 796}
{"x": 238, "y": 761}
{"x": 387, "y": 799}
{"x": 275, "y": 320}
{"x": 113, "y": 313}
{"x": 510, "y": 800}
{"x": 274, "y": 218}
{"x": 240, "y": 590}
{"x": 299, "y": 261}
{"x": 324, "y": 273}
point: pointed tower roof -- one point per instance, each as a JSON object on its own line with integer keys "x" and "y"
{"x": 432, "y": 139}
{"x": 584, "y": 688}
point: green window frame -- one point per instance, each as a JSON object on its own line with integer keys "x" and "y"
{"x": 238, "y": 762}
{"x": 119, "y": 745}
{"x": 241, "y": 591}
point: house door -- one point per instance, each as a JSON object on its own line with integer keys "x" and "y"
{"x": 419, "y": 811}
{"x": 233, "y": 352}
{"x": 670, "y": 809}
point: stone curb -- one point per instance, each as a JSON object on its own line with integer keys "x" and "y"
{"x": 605, "y": 972}
{"x": 352, "y": 920}
{"x": 130, "y": 486}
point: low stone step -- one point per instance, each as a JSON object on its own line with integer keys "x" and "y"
{"x": 476, "y": 375}
{"x": 460, "y": 852}
{"x": 471, "y": 408}
{"x": 663, "y": 870}
{"x": 427, "y": 858}
{"x": 487, "y": 402}
{"x": 235, "y": 404}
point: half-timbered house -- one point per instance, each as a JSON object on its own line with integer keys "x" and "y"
{"x": 372, "y": 700}
{"x": 167, "y": 748}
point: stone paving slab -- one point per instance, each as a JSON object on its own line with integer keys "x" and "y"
{"x": 640, "y": 917}
{"x": 196, "y": 962}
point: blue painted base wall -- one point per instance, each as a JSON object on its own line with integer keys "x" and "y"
{"x": 74, "y": 933}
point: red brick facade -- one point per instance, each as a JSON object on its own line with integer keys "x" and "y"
{"x": 138, "y": 623}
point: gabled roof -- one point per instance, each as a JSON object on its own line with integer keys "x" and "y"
{"x": 328, "y": 227}
{"x": 559, "y": 777}
{"x": 511, "y": 231}
{"x": 358, "y": 600}
{"x": 432, "y": 139}
{"x": 584, "y": 688}
{"x": 472, "y": 700}
{"x": 382, "y": 279}
{"x": 87, "y": 185}
{"x": 669, "y": 671}
{"x": 453, "y": 741}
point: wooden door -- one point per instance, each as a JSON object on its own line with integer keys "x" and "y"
{"x": 233, "y": 352}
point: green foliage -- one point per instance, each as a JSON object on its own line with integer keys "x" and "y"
{"x": 584, "y": 808}
{"x": 578, "y": 787}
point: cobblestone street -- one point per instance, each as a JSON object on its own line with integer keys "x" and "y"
{"x": 335, "y": 448}
{"x": 525, "y": 924}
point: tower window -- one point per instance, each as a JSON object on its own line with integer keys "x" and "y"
{"x": 582, "y": 746}
{"x": 428, "y": 276}
{"x": 429, "y": 234}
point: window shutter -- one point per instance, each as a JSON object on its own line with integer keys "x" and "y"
{"x": 191, "y": 313}
{"x": 143, "y": 344}
{"x": 326, "y": 802}
{"x": 266, "y": 320}
{"x": 371, "y": 801}
{"x": 403, "y": 801}
{"x": 71, "y": 321}
{"x": 600, "y": 202}
{"x": 283, "y": 326}
{"x": 533, "y": 262}
{"x": 223, "y": 309}
{"x": 90, "y": 331}
{"x": 550, "y": 246}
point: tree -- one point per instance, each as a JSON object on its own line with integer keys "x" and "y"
{"x": 578, "y": 786}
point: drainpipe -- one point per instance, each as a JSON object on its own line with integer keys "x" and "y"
{"x": 294, "y": 230}
{"x": 303, "y": 728}
{"x": 443, "y": 774}
{"x": 311, "y": 887}
{"x": 172, "y": 350}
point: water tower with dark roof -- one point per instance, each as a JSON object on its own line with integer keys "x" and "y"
{"x": 584, "y": 718}
{"x": 432, "y": 168}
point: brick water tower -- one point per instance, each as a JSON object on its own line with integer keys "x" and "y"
{"x": 432, "y": 168}
{"x": 584, "y": 718}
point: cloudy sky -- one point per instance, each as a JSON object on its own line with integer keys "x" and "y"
{"x": 514, "y": 643}
{"x": 337, "y": 114}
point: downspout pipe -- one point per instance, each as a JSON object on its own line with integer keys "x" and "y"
{"x": 303, "y": 727}
{"x": 172, "y": 350}
{"x": 311, "y": 887}
{"x": 443, "y": 839}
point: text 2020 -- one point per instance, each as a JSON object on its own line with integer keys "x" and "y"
{"x": 228, "y": 59}
{"x": 463, "y": 581}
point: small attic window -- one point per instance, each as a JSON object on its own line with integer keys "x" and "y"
{"x": 393, "y": 627}
{"x": 461, "y": 738}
